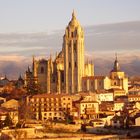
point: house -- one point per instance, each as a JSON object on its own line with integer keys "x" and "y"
{"x": 2, "y": 100}
{"x": 134, "y": 98}
{"x": 118, "y": 105}
{"x": 97, "y": 123}
{"x": 14, "y": 104}
{"x": 50, "y": 106}
{"x": 137, "y": 121}
{"x": 89, "y": 109}
{"x": 13, "y": 114}
{"x": 105, "y": 95}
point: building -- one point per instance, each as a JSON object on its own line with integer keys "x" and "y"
{"x": 73, "y": 44}
{"x": 105, "y": 96}
{"x": 13, "y": 114}
{"x": 118, "y": 105}
{"x": 89, "y": 109}
{"x": 134, "y": 98}
{"x": 50, "y": 106}
{"x": 65, "y": 72}
{"x": 68, "y": 72}
{"x": 14, "y": 104}
{"x": 119, "y": 80}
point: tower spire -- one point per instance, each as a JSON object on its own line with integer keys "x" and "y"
{"x": 73, "y": 14}
{"x": 116, "y": 64}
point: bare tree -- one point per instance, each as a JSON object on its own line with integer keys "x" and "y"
{"x": 25, "y": 112}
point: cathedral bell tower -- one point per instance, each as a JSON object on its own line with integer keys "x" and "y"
{"x": 73, "y": 45}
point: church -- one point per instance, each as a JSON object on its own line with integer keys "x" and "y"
{"x": 68, "y": 73}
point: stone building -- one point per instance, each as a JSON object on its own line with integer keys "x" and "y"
{"x": 117, "y": 81}
{"x": 65, "y": 72}
{"x": 68, "y": 72}
{"x": 50, "y": 106}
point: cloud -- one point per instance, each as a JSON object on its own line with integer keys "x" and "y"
{"x": 101, "y": 44}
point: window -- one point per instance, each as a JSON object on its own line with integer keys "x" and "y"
{"x": 72, "y": 34}
{"x": 100, "y": 83}
{"x": 92, "y": 83}
{"x": 75, "y": 64}
{"x": 85, "y": 83}
{"x": 53, "y": 79}
{"x": 74, "y": 46}
{"x": 76, "y": 88}
{"x": 69, "y": 65}
{"x": 42, "y": 70}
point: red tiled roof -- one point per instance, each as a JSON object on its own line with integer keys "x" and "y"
{"x": 129, "y": 96}
{"x": 84, "y": 101}
{"x": 46, "y": 95}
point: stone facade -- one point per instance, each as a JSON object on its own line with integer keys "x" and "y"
{"x": 50, "y": 106}
{"x": 73, "y": 43}
{"x": 68, "y": 72}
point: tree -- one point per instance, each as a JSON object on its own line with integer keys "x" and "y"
{"x": 8, "y": 121}
{"x": 33, "y": 88}
{"x": 25, "y": 112}
{"x": 67, "y": 116}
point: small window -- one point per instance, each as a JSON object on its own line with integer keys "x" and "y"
{"x": 115, "y": 83}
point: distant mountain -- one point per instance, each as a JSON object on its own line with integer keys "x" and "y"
{"x": 101, "y": 44}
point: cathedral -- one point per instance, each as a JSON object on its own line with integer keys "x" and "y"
{"x": 68, "y": 72}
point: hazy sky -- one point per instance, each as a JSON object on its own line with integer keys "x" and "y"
{"x": 49, "y": 15}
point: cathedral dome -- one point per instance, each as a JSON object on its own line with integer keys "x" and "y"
{"x": 74, "y": 22}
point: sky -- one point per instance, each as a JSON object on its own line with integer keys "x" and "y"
{"x": 51, "y": 15}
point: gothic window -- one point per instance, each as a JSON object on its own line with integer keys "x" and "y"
{"x": 69, "y": 65}
{"x": 75, "y": 88}
{"x": 85, "y": 83}
{"x": 75, "y": 64}
{"x": 70, "y": 88}
{"x": 53, "y": 79}
{"x": 100, "y": 83}
{"x": 42, "y": 70}
{"x": 72, "y": 34}
{"x": 74, "y": 46}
